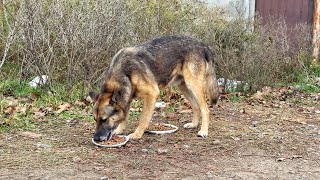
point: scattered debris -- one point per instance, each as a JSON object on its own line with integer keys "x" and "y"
{"x": 162, "y": 151}
{"x": 227, "y": 85}
{"x": 160, "y": 104}
{"x": 39, "y": 81}
{"x": 280, "y": 159}
{"x": 216, "y": 142}
{"x": 30, "y": 134}
{"x": 144, "y": 150}
{"x": 76, "y": 159}
{"x": 186, "y": 146}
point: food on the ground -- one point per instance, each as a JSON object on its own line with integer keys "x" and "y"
{"x": 113, "y": 141}
{"x": 159, "y": 127}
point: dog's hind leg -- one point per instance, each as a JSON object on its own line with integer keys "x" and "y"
{"x": 195, "y": 107}
{"x": 149, "y": 94}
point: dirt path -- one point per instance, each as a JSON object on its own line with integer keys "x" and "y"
{"x": 246, "y": 142}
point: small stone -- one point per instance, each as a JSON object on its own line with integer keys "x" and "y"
{"x": 280, "y": 159}
{"x": 186, "y": 146}
{"x": 144, "y": 150}
{"x": 162, "y": 151}
{"x": 103, "y": 178}
{"x": 216, "y": 142}
{"x": 236, "y": 138}
{"x": 209, "y": 175}
{"x": 76, "y": 159}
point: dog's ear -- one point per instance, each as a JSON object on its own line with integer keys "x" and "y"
{"x": 94, "y": 96}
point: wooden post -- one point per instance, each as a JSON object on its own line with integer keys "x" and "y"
{"x": 315, "y": 31}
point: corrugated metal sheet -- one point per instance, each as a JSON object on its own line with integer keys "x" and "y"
{"x": 292, "y": 11}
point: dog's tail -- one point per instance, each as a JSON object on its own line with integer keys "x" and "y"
{"x": 211, "y": 80}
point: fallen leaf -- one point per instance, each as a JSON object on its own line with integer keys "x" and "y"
{"x": 38, "y": 112}
{"x": 258, "y": 95}
{"x": 10, "y": 110}
{"x": 79, "y": 103}
{"x": 89, "y": 100}
{"x": 34, "y": 95}
{"x": 12, "y": 103}
{"x": 63, "y": 107}
{"x": 266, "y": 91}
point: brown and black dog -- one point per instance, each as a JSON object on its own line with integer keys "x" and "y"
{"x": 141, "y": 71}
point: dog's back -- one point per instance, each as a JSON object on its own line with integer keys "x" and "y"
{"x": 163, "y": 57}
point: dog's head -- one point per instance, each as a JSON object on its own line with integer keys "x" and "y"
{"x": 107, "y": 114}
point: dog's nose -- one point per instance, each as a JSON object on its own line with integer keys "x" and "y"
{"x": 96, "y": 138}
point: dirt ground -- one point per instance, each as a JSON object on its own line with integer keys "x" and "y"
{"x": 246, "y": 141}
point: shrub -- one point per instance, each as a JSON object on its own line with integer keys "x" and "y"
{"x": 73, "y": 41}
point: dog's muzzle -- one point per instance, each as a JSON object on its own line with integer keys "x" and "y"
{"x": 101, "y": 136}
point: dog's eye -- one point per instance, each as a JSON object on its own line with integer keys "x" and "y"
{"x": 111, "y": 119}
{"x": 103, "y": 120}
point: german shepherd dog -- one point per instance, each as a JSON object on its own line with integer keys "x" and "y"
{"x": 141, "y": 71}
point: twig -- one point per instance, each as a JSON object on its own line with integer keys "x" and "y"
{"x": 9, "y": 37}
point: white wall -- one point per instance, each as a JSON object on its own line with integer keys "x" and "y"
{"x": 233, "y": 7}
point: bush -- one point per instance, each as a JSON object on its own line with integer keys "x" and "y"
{"x": 73, "y": 41}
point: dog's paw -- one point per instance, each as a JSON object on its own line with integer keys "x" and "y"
{"x": 134, "y": 136}
{"x": 190, "y": 125}
{"x": 203, "y": 134}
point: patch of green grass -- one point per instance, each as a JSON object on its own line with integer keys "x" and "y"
{"x": 75, "y": 114}
{"x": 16, "y": 122}
{"x": 234, "y": 98}
{"x": 44, "y": 97}
{"x": 15, "y": 88}
{"x": 305, "y": 80}
{"x": 48, "y": 95}
{"x": 310, "y": 88}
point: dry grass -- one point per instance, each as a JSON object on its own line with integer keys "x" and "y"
{"x": 73, "y": 41}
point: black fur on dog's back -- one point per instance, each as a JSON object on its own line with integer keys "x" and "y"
{"x": 161, "y": 55}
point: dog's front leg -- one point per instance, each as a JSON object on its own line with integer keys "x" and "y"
{"x": 149, "y": 101}
{"x": 121, "y": 127}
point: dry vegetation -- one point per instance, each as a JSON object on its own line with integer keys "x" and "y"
{"x": 73, "y": 41}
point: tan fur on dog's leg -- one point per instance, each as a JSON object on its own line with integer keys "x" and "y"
{"x": 195, "y": 108}
{"x": 122, "y": 125}
{"x": 149, "y": 100}
{"x": 195, "y": 82}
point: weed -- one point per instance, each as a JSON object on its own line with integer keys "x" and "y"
{"x": 234, "y": 98}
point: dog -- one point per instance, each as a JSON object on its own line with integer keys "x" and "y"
{"x": 141, "y": 71}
